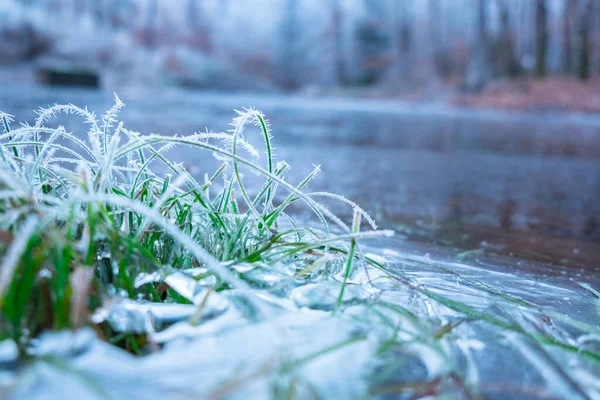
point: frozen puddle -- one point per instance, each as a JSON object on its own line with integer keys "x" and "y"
{"x": 430, "y": 327}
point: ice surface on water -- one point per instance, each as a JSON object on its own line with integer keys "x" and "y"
{"x": 431, "y": 326}
{"x": 324, "y": 295}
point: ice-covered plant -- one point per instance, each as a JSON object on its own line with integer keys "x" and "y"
{"x": 81, "y": 216}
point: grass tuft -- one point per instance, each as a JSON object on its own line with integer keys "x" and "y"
{"x": 83, "y": 216}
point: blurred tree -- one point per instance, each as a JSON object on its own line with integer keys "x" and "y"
{"x": 365, "y": 41}
{"x": 373, "y": 42}
{"x": 338, "y": 39}
{"x": 478, "y": 71}
{"x": 570, "y": 8}
{"x": 541, "y": 38}
{"x": 585, "y": 39}
{"x": 441, "y": 56}
{"x": 403, "y": 35}
{"x": 97, "y": 11}
{"x": 288, "y": 55}
{"x": 596, "y": 38}
{"x": 505, "y": 57}
{"x": 151, "y": 33}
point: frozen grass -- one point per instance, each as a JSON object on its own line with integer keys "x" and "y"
{"x": 81, "y": 219}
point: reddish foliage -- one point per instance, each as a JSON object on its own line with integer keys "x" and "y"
{"x": 556, "y": 93}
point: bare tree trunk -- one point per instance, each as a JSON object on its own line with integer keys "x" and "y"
{"x": 338, "y": 38}
{"x": 373, "y": 42}
{"x": 402, "y": 37}
{"x": 505, "y": 56}
{"x": 442, "y": 57}
{"x": 585, "y": 25}
{"x": 567, "y": 33}
{"x": 541, "y": 38}
{"x": 97, "y": 11}
{"x": 478, "y": 71}
{"x": 482, "y": 24}
{"x": 435, "y": 21}
{"x": 595, "y": 68}
{"x": 289, "y": 57}
{"x": 107, "y": 9}
{"x": 406, "y": 32}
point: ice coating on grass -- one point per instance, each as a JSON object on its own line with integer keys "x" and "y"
{"x": 324, "y": 295}
{"x": 243, "y": 362}
{"x": 265, "y": 278}
{"x": 140, "y": 317}
{"x": 430, "y": 326}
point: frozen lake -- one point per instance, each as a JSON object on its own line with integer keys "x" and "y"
{"x": 519, "y": 184}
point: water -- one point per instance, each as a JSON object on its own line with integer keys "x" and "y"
{"x": 521, "y": 184}
{"x": 515, "y": 318}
